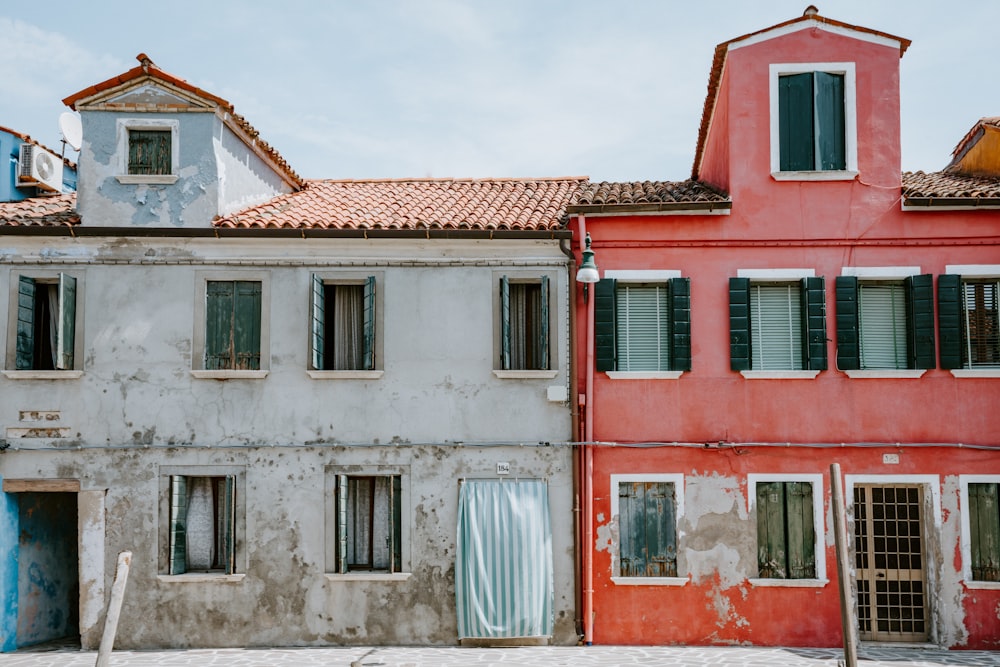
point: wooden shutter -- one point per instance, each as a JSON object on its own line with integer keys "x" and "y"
{"x": 848, "y": 341}
{"x": 396, "y": 524}
{"x": 801, "y": 530}
{"x": 830, "y": 121}
{"x": 342, "y": 523}
{"x": 814, "y": 323}
{"x": 739, "y": 324}
{"x": 920, "y": 320}
{"x": 542, "y": 360}
{"x": 642, "y": 327}
{"x": 219, "y": 325}
{"x": 25, "y": 350}
{"x": 505, "y": 342}
{"x": 66, "y": 323}
{"x": 246, "y": 325}
{"x": 882, "y": 313}
{"x": 984, "y": 530}
{"x": 785, "y": 531}
{"x": 950, "y": 320}
{"x": 178, "y": 525}
{"x": 149, "y": 152}
{"x": 648, "y": 546}
{"x": 771, "y": 546}
{"x": 318, "y": 322}
{"x": 604, "y": 325}
{"x": 680, "y": 324}
{"x": 369, "y": 324}
{"x": 795, "y": 122}
{"x": 228, "y": 528}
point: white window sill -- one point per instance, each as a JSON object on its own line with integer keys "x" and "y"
{"x": 649, "y": 581}
{"x": 982, "y": 585}
{"x": 200, "y": 577}
{"x": 43, "y": 375}
{"x": 831, "y": 175}
{"x": 229, "y": 375}
{"x": 779, "y": 375}
{"x": 976, "y": 372}
{"x": 789, "y": 583}
{"x": 369, "y": 576}
{"x": 345, "y": 375}
{"x": 644, "y": 375}
{"x": 147, "y": 179}
{"x": 885, "y": 373}
{"x": 525, "y": 375}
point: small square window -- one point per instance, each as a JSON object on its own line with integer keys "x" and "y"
{"x": 202, "y": 524}
{"x": 46, "y": 323}
{"x": 149, "y": 152}
{"x": 524, "y": 324}
{"x": 343, "y": 325}
{"x": 368, "y": 523}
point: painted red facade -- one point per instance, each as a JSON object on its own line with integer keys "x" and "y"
{"x": 716, "y": 428}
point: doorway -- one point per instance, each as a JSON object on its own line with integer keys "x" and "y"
{"x": 889, "y": 561}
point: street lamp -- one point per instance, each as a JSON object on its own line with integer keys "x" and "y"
{"x": 588, "y": 268}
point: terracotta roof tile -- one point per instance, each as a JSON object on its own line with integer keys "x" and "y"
{"x": 54, "y": 211}
{"x": 459, "y": 204}
{"x": 655, "y": 195}
{"x": 945, "y": 185}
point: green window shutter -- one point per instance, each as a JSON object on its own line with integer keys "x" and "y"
{"x": 246, "y": 325}
{"x": 920, "y": 320}
{"x": 984, "y": 531}
{"x": 830, "y": 121}
{"x": 178, "y": 525}
{"x": 66, "y": 327}
{"x": 950, "y": 320}
{"x": 642, "y": 326}
{"x": 25, "y": 350}
{"x": 648, "y": 546}
{"x": 543, "y": 326}
{"x": 814, "y": 320}
{"x": 882, "y": 314}
{"x": 801, "y": 534}
{"x": 848, "y": 340}
{"x": 396, "y": 524}
{"x": 219, "y": 324}
{"x": 680, "y": 324}
{"x": 772, "y": 552}
{"x": 505, "y": 342}
{"x": 342, "y": 511}
{"x": 632, "y": 562}
{"x": 739, "y": 324}
{"x": 149, "y": 151}
{"x": 229, "y": 524}
{"x": 369, "y": 324}
{"x": 795, "y": 122}
{"x": 318, "y": 323}
{"x": 604, "y": 324}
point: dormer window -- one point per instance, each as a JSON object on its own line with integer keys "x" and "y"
{"x": 813, "y": 122}
{"x": 148, "y": 150}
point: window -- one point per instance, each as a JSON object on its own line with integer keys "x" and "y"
{"x": 968, "y": 321}
{"x": 813, "y": 120}
{"x": 233, "y": 331}
{"x": 984, "y": 530}
{"x": 202, "y": 527}
{"x": 885, "y": 324}
{"x": 777, "y": 326}
{"x": 524, "y": 324}
{"x": 45, "y": 323}
{"x": 643, "y": 326}
{"x": 368, "y": 523}
{"x": 786, "y": 547}
{"x": 149, "y": 152}
{"x": 647, "y": 528}
{"x": 343, "y": 325}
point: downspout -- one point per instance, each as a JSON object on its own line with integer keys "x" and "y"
{"x": 588, "y": 466}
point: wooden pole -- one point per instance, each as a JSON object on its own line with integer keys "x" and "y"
{"x": 848, "y": 622}
{"x": 114, "y": 609}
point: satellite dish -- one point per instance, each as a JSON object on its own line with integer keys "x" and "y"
{"x": 72, "y": 130}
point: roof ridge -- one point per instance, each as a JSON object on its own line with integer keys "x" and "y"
{"x": 453, "y": 179}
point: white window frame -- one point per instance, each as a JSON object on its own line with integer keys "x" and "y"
{"x": 819, "y": 544}
{"x": 354, "y": 278}
{"x": 202, "y": 278}
{"x": 122, "y": 128}
{"x": 966, "y": 537}
{"x": 643, "y": 276}
{"x": 775, "y": 72}
{"x": 44, "y": 276}
{"x": 974, "y": 272}
{"x": 677, "y": 479}
{"x": 777, "y": 276}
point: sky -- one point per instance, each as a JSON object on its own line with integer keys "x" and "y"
{"x": 610, "y": 89}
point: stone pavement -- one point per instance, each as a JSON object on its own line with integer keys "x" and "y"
{"x": 547, "y": 656}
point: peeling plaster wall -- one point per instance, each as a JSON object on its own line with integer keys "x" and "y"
{"x": 8, "y": 570}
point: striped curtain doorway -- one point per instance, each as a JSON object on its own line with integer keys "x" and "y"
{"x": 503, "y": 570}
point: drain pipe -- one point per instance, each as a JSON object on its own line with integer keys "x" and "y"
{"x": 588, "y": 461}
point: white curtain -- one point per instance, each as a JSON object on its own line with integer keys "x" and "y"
{"x": 348, "y": 322}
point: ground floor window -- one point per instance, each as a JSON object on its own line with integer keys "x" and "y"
{"x": 202, "y": 524}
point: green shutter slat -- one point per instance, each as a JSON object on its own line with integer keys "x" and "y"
{"x": 950, "y": 320}
{"x": 505, "y": 342}
{"x": 396, "y": 524}
{"x": 219, "y": 324}
{"x": 604, "y": 325}
{"x": 830, "y": 121}
{"x": 882, "y": 315}
{"x": 369, "y": 324}
{"x": 920, "y": 320}
{"x": 246, "y": 325}
{"x": 801, "y": 536}
{"x": 66, "y": 323}
{"x": 795, "y": 122}
{"x": 680, "y": 323}
{"x": 318, "y": 323}
{"x": 25, "y": 350}
{"x": 178, "y": 525}
{"x": 543, "y": 328}
{"x": 984, "y": 531}
{"x": 771, "y": 547}
{"x": 814, "y": 315}
{"x": 630, "y": 530}
{"x": 229, "y": 524}
{"x": 739, "y": 324}
{"x": 342, "y": 523}
{"x": 848, "y": 342}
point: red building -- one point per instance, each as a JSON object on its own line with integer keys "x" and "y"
{"x": 799, "y": 302}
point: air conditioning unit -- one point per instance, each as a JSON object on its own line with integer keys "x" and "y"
{"x": 39, "y": 168}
